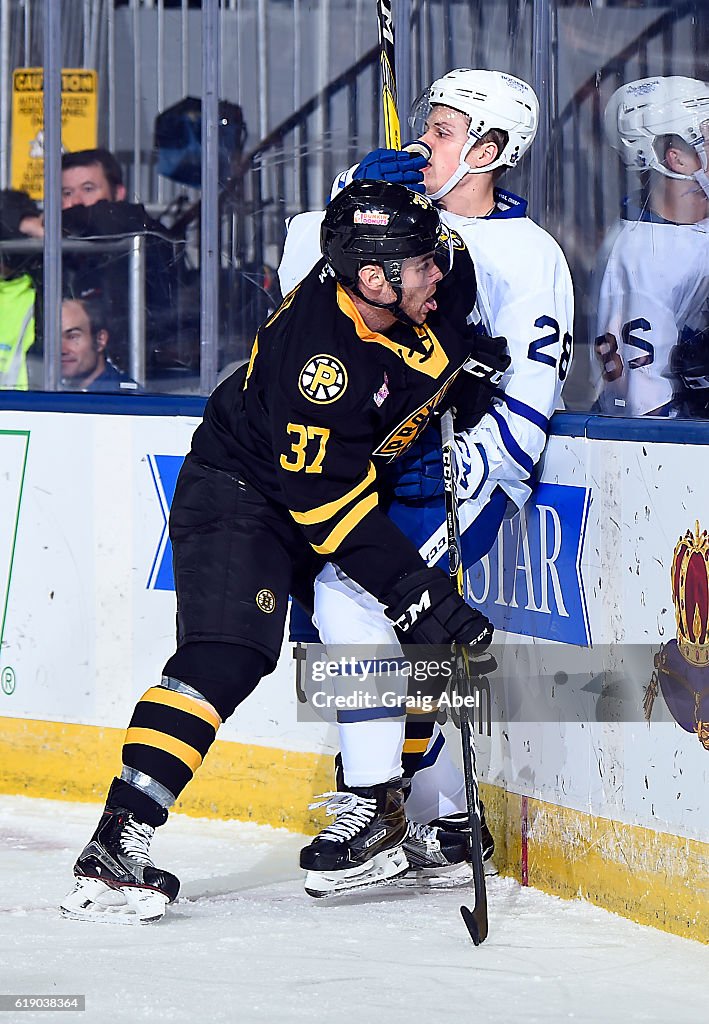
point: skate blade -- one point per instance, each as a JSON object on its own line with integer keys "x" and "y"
{"x": 445, "y": 876}
{"x": 91, "y": 899}
{"x": 490, "y": 868}
{"x": 380, "y": 870}
{"x": 448, "y": 876}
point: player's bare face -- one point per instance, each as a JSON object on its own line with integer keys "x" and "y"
{"x": 419, "y": 278}
{"x": 446, "y": 134}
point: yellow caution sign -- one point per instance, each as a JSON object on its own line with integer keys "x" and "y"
{"x": 79, "y": 122}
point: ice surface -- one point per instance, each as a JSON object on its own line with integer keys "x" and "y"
{"x": 244, "y": 943}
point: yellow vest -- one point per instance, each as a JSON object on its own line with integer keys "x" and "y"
{"x": 16, "y": 330}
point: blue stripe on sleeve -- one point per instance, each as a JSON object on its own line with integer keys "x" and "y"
{"x": 486, "y": 470}
{"x": 510, "y": 444}
{"x": 521, "y": 409}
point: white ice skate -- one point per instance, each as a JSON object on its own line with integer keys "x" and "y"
{"x": 115, "y": 878}
{"x": 94, "y": 900}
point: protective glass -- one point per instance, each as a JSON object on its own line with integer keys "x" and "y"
{"x": 147, "y": 257}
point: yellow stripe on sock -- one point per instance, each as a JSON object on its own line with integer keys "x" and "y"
{"x": 161, "y": 741}
{"x": 416, "y": 746}
{"x": 192, "y": 706}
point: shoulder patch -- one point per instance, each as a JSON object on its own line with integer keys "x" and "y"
{"x": 448, "y": 232}
{"x": 323, "y": 379}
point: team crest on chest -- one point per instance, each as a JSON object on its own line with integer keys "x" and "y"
{"x": 323, "y": 379}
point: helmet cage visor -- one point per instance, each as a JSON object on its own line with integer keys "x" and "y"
{"x": 442, "y": 255}
{"x": 420, "y": 113}
{"x": 390, "y": 254}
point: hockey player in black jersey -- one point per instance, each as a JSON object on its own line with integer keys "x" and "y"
{"x": 282, "y": 475}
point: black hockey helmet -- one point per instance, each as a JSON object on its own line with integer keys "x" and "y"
{"x": 382, "y": 223}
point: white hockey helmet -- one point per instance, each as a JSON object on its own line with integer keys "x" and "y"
{"x": 640, "y": 111}
{"x": 491, "y": 99}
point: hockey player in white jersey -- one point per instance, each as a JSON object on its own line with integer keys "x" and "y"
{"x": 476, "y": 124}
{"x": 650, "y": 353}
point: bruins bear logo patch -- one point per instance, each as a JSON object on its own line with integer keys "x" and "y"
{"x": 323, "y": 379}
{"x": 266, "y": 601}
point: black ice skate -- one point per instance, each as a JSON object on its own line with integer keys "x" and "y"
{"x": 363, "y": 846}
{"x": 429, "y": 847}
{"x": 457, "y": 822}
{"x": 115, "y": 878}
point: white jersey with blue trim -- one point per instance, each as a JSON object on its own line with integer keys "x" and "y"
{"x": 653, "y": 294}
{"x": 301, "y": 250}
{"x": 525, "y": 295}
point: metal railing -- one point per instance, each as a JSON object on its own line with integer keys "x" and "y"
{"x": 289, "y": 172}
{"x": 134, "y": 247}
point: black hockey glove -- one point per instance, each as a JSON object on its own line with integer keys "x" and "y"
{"x": 425, "y": 609}
{"x": 486, "y": 365}
{"x": 488, "y": 360}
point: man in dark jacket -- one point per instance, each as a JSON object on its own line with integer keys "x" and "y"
{"x": 94, "y": 207}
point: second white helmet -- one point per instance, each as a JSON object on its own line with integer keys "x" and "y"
{"x": 640, "y": 111}
{"x": 491, "y": 99}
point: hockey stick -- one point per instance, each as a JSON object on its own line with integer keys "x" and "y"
{"x": 387, "y": 68}
{"x": 476, "y": 919}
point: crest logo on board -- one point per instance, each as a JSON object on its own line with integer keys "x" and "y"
{"x": 682, "y": 665}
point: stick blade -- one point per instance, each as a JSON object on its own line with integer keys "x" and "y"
{"x": 476, "y": 923}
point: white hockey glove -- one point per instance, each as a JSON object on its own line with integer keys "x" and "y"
{"x": 470, "y": 465}
{"x": 342, "y": 181}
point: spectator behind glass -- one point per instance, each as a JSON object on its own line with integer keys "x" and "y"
{"x": 94, "y": 206}
{"x": 652, "y": 332}
{"x": 17, "y": 301}
{"x": 90, "y": 176}
{"x": 85, "y": 336}
{"x": 17, "y": 291}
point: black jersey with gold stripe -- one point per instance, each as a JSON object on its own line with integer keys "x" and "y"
{"x": 325, "y": 402}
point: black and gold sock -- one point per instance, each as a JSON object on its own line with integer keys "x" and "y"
{"x": 417, "y": 736}
{"x": 169, "y": 735}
